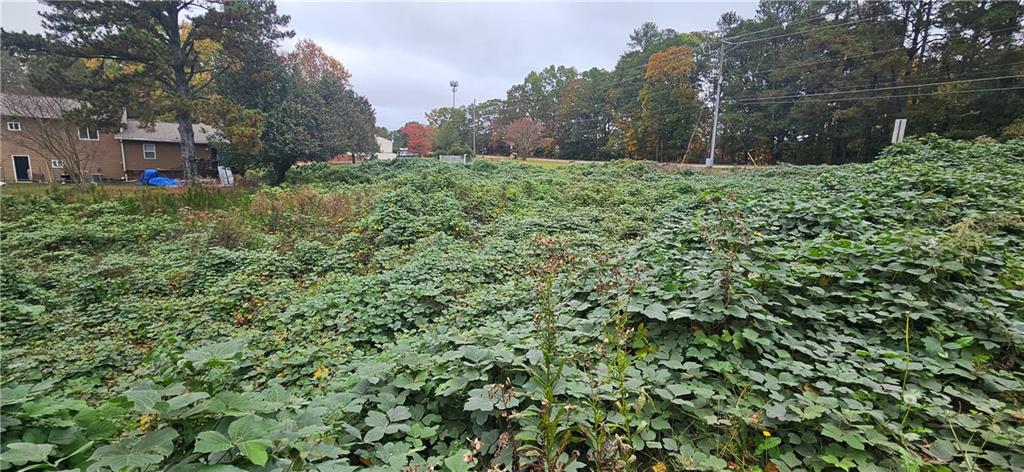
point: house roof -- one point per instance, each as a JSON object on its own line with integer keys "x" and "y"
{"x": 32, "y": 106}
{"x": 163, "y": 132}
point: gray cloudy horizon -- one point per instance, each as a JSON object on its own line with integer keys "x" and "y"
{"x": 402, "y": 55}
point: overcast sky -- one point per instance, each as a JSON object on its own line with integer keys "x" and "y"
{"x": 402, "y": 55}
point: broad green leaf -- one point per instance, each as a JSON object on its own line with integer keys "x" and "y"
{"x": 249, "y": 428}
{"x": 160, "y": 441}
{"x": 656, "y": 311}
{"x": 215, "y": 353}
{"x": 256, "y": 451}
{"x": 399, "y": 413}
{"x": 376, "y": 419}
{"x": 121, "y": 456}
{"x": 373, "y": 435}
{"x": 24, "y": 453}
{"x": 212, "y": 441}
{"x": 457, "y": 462}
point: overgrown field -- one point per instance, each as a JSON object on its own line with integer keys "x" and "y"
{"x": 412, "y": 316}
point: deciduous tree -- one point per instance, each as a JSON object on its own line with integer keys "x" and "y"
{"x": 306, "y": 114}
{"x": 419, "y": 137}
{"x": 525, "y": 134}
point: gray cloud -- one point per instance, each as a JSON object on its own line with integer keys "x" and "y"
{"x": 402, "y": 55}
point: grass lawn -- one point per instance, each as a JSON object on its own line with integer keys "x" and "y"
{"x": 546, "y": 163}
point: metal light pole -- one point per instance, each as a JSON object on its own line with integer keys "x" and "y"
{"x": 455, "y": 86}
{"x": 718, "y": 95}
{"x": 474, "y": 128}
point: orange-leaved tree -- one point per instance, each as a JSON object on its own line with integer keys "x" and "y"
{"x": 420, "y": 137}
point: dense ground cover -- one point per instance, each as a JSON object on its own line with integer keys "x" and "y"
{"x": 409, "y": 315}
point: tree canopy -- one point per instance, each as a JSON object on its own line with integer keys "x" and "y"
{"x": 804, "y": 82}
{"x": 151, "y": 54}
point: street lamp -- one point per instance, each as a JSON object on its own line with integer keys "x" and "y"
{"x": 455, "y": 86}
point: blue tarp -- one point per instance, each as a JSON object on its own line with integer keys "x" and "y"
{"x": 152, "y": 177}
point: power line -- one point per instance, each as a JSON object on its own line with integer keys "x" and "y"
{"x": 871, "y": 53}
{"x": 820, "y": 28}
{"x": 877, "y": 88}
{"x": 799, "y": 22}
{"x": 880, "y": 97}
{"x": 917, "y": 80}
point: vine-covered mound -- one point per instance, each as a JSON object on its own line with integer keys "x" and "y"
{"x": 409, "y": 316}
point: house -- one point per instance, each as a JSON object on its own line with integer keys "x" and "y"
{"x": 386, "y": 149}
{"x": 385, "y": 152}
{"x": 36, "y": 143}
{"x": 159, "y": 148}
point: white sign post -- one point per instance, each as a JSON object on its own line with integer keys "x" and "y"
{"x": 898, "y": 129}
{"x": 227, "y": 178}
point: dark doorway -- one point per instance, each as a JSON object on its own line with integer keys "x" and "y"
{"x": 22, "y": 169}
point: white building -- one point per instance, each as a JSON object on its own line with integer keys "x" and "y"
{"x": 386, "y": 149}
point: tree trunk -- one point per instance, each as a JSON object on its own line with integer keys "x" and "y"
{"x": 280, "y": 171}
{"x": 188, "y": 146}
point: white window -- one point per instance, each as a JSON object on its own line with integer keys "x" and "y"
{"x": 149, "y": 151}
{"x": 87, "y": 134}
{"x": 13, "y": 126}
{"x": 56, "y": 164}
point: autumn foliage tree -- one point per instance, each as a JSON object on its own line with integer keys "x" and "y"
{"x": 315, "y": 64}
{"x": 525, "y": 134}
{"x": 420, "y": 138}
{"x": 668, "y": 106}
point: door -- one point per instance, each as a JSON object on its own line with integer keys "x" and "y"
{"x": 22, "y": 168}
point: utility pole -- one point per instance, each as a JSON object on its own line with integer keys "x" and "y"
{"x": 718, "y": 95}
{"x": 474, "y": 128}
{"x": 455, "y": 86}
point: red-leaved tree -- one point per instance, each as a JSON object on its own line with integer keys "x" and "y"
{"x": 525, "y": 134}
{"x": 419, "y": 137}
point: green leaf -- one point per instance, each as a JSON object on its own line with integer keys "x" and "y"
{"x": 457, "y": 462}
{"x": 256, "y": 451}
{"x": 216, "y": 353}
{"x": 376, "y": 419}
{"x": 830, "y": 430}
{"x": 399, "y": 413}
{"x": 373, "y": 435}
{"x": 144, "y": 398}
{"x": 212, "y": 441}
{"x": 656, "y": 311}
{"x": 121, "y": 456}
{"x": 161, "y": 441}
{"x": 775, "y": 411}
{"x": 23, "y": 453}
{"x": 768, "y": 444}
{"x": 711, "y": 462}
{"x": 248, "y": 428}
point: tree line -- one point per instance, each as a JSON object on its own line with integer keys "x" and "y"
{"x": 188, "y": 61}
{"x": 802, "y": 82}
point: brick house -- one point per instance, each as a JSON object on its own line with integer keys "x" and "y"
{"x": 119, "y": 155}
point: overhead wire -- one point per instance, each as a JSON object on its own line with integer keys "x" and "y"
{"x": 881, "y": 97}
{"x": 895, "y": 87}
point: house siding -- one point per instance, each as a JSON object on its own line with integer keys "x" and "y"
{"x": 106, "y": 160}
{"x": 168, "y": 159}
